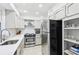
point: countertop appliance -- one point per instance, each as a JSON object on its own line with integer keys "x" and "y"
{"x": 51, "y": 33}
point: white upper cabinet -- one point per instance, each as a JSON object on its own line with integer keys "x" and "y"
{"x": 10, "y": 20}
{"x": 2, "y": 19}
{"x": 0, "y": 15}
{"x": 72, "y": 8}
{"x": 13, "y": 21}
{"x": 59, "y": 14}
{"x": 19, "y": 22}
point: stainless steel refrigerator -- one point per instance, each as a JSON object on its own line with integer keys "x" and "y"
{"x": 45, "y": 37}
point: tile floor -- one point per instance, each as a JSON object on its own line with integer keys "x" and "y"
{"x": 36, "y": 50}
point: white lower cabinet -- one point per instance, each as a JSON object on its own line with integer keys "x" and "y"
{"x": 38, "y": 39}
{"x": 19, "y": 50}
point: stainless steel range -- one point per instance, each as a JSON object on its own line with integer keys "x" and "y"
{"x": 29, "y": 39}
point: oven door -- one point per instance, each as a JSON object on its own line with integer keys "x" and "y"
{"x": 29, "y": 39}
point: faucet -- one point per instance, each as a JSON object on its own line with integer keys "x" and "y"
{"x": 4, "y": 35}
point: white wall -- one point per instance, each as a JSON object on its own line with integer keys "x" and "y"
{"x": 37, "y": 23}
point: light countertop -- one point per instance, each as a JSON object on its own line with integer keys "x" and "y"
{"x": 10, "y": 49}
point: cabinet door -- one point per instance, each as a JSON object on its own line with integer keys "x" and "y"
{"x": 0, "y": 26}
{"x": 0, "y": 15}
{"x": 10, "y": 20}
{"x": 60, "y": 13}
{"x": 72, "y": 9}
{"x": 19, "y": 22}
{"x": 20, "y": 48}
{"x": 38, "y": 39}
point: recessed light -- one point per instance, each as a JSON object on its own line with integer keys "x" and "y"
{"x": 36, "y": 13}
{"x": 25, "y": 11}
{"x": 40, "y": 5}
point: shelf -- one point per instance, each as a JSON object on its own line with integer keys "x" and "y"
{"x": 72, "y": 28}
{"x": 72, "y": 41}
{"x": 69, "y": 52}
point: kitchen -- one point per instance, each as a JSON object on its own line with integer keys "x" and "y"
{"x": 39, "y": 28}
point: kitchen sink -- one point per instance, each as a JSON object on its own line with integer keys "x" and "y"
{"x": 10, "y": 42}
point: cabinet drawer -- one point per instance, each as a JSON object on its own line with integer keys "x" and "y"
{"x": 72, "y": 9}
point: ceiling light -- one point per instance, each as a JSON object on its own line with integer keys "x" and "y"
{"x": 36, "y": 13}
{"x": 25, "y": 11}
{"x": 40, "y": 5}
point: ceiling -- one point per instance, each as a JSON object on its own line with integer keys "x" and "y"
{"x": 5, "y": 6}
{"x": 30, "y": 9}
{"x": 34, "y": 9}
